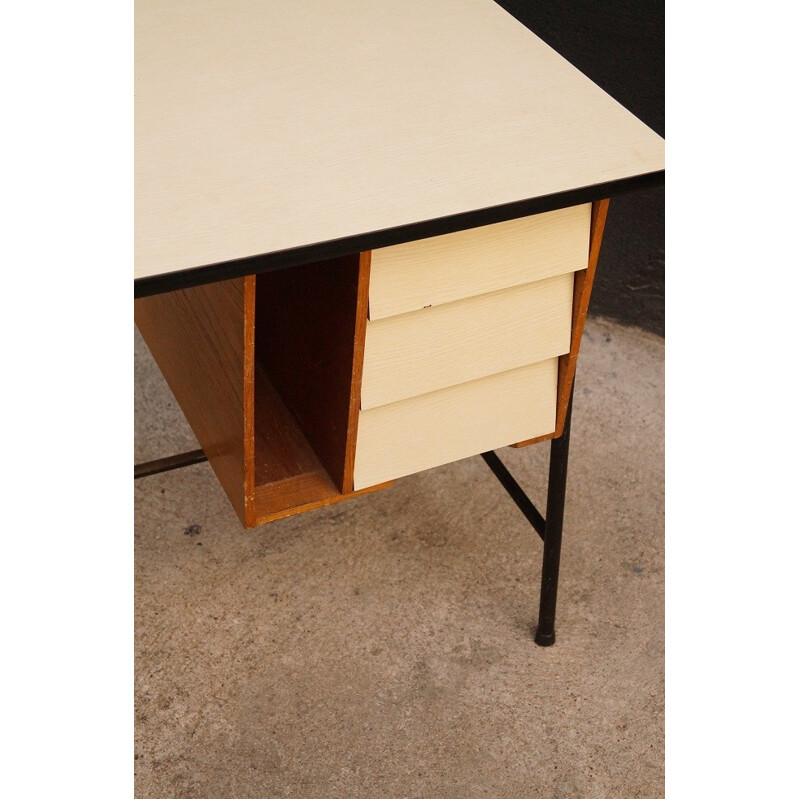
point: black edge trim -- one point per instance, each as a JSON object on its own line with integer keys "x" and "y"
{"x": 195, "y": 276}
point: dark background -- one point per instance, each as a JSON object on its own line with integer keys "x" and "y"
{"x": 620, "y": 46}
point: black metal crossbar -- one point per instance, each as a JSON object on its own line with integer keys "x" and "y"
{"x": 515, "y": 492}
{"x": 170, "y": 462}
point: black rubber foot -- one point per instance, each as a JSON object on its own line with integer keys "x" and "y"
{"x": 544, "y": 639}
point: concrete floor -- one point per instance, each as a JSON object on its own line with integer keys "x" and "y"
{"x": 382, "y": 647}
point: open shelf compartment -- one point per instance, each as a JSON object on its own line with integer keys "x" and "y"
{"x": 267, "y": 370}
{"x": 308, "y": 355}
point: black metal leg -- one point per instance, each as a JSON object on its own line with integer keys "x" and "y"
{"x": 554, "y": 522}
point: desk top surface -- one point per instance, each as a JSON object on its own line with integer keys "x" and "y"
{"x": 272, "y": 133}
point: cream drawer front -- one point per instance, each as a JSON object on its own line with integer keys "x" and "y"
{"x": 461, "y": 421}
{"x": 429, "y": 272}
{"x": 437, "y": 347}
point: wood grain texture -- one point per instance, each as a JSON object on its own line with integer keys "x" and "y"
{"x": 535, "y": 440}
{"x": 461, "y": 421}
{"x": 270, "y": 497}
{"x": 288, "y": 473}
{"x": 289, "y": 477}
{"x": 261, "y": 127}
{"x": 248, "y": 400}
{"x": 306, "y": 320}
{"x": 427, "y": 350}
{"x": 198, "y": 339}
{"x": 429, "y": 272}
{"x": 582, "y": 294}
{"x": 362, "y": 308}
{"x": 281, "y": 451}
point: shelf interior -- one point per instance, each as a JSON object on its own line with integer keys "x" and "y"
{"x": 288, "y": 473}
{"x": 307, "y": 384}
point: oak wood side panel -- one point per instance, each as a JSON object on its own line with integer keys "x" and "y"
{"x": 583, "y": 291}
{"x": 248, "y": 369}
{"x": 198, "y": 339}
{"x": 359, "y": 341}
{"x": 580, "y": 306}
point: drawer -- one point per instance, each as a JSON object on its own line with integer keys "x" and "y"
{"x": 424, "y": 351}
{"x": 429, "y": 272}
{"x": 457, "y": 422}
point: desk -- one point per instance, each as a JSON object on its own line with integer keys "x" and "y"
{"x": 366, "y": 235}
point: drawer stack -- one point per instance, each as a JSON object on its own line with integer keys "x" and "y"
{"x": 462, "y": 343}
{"x": 306, "y": 386}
